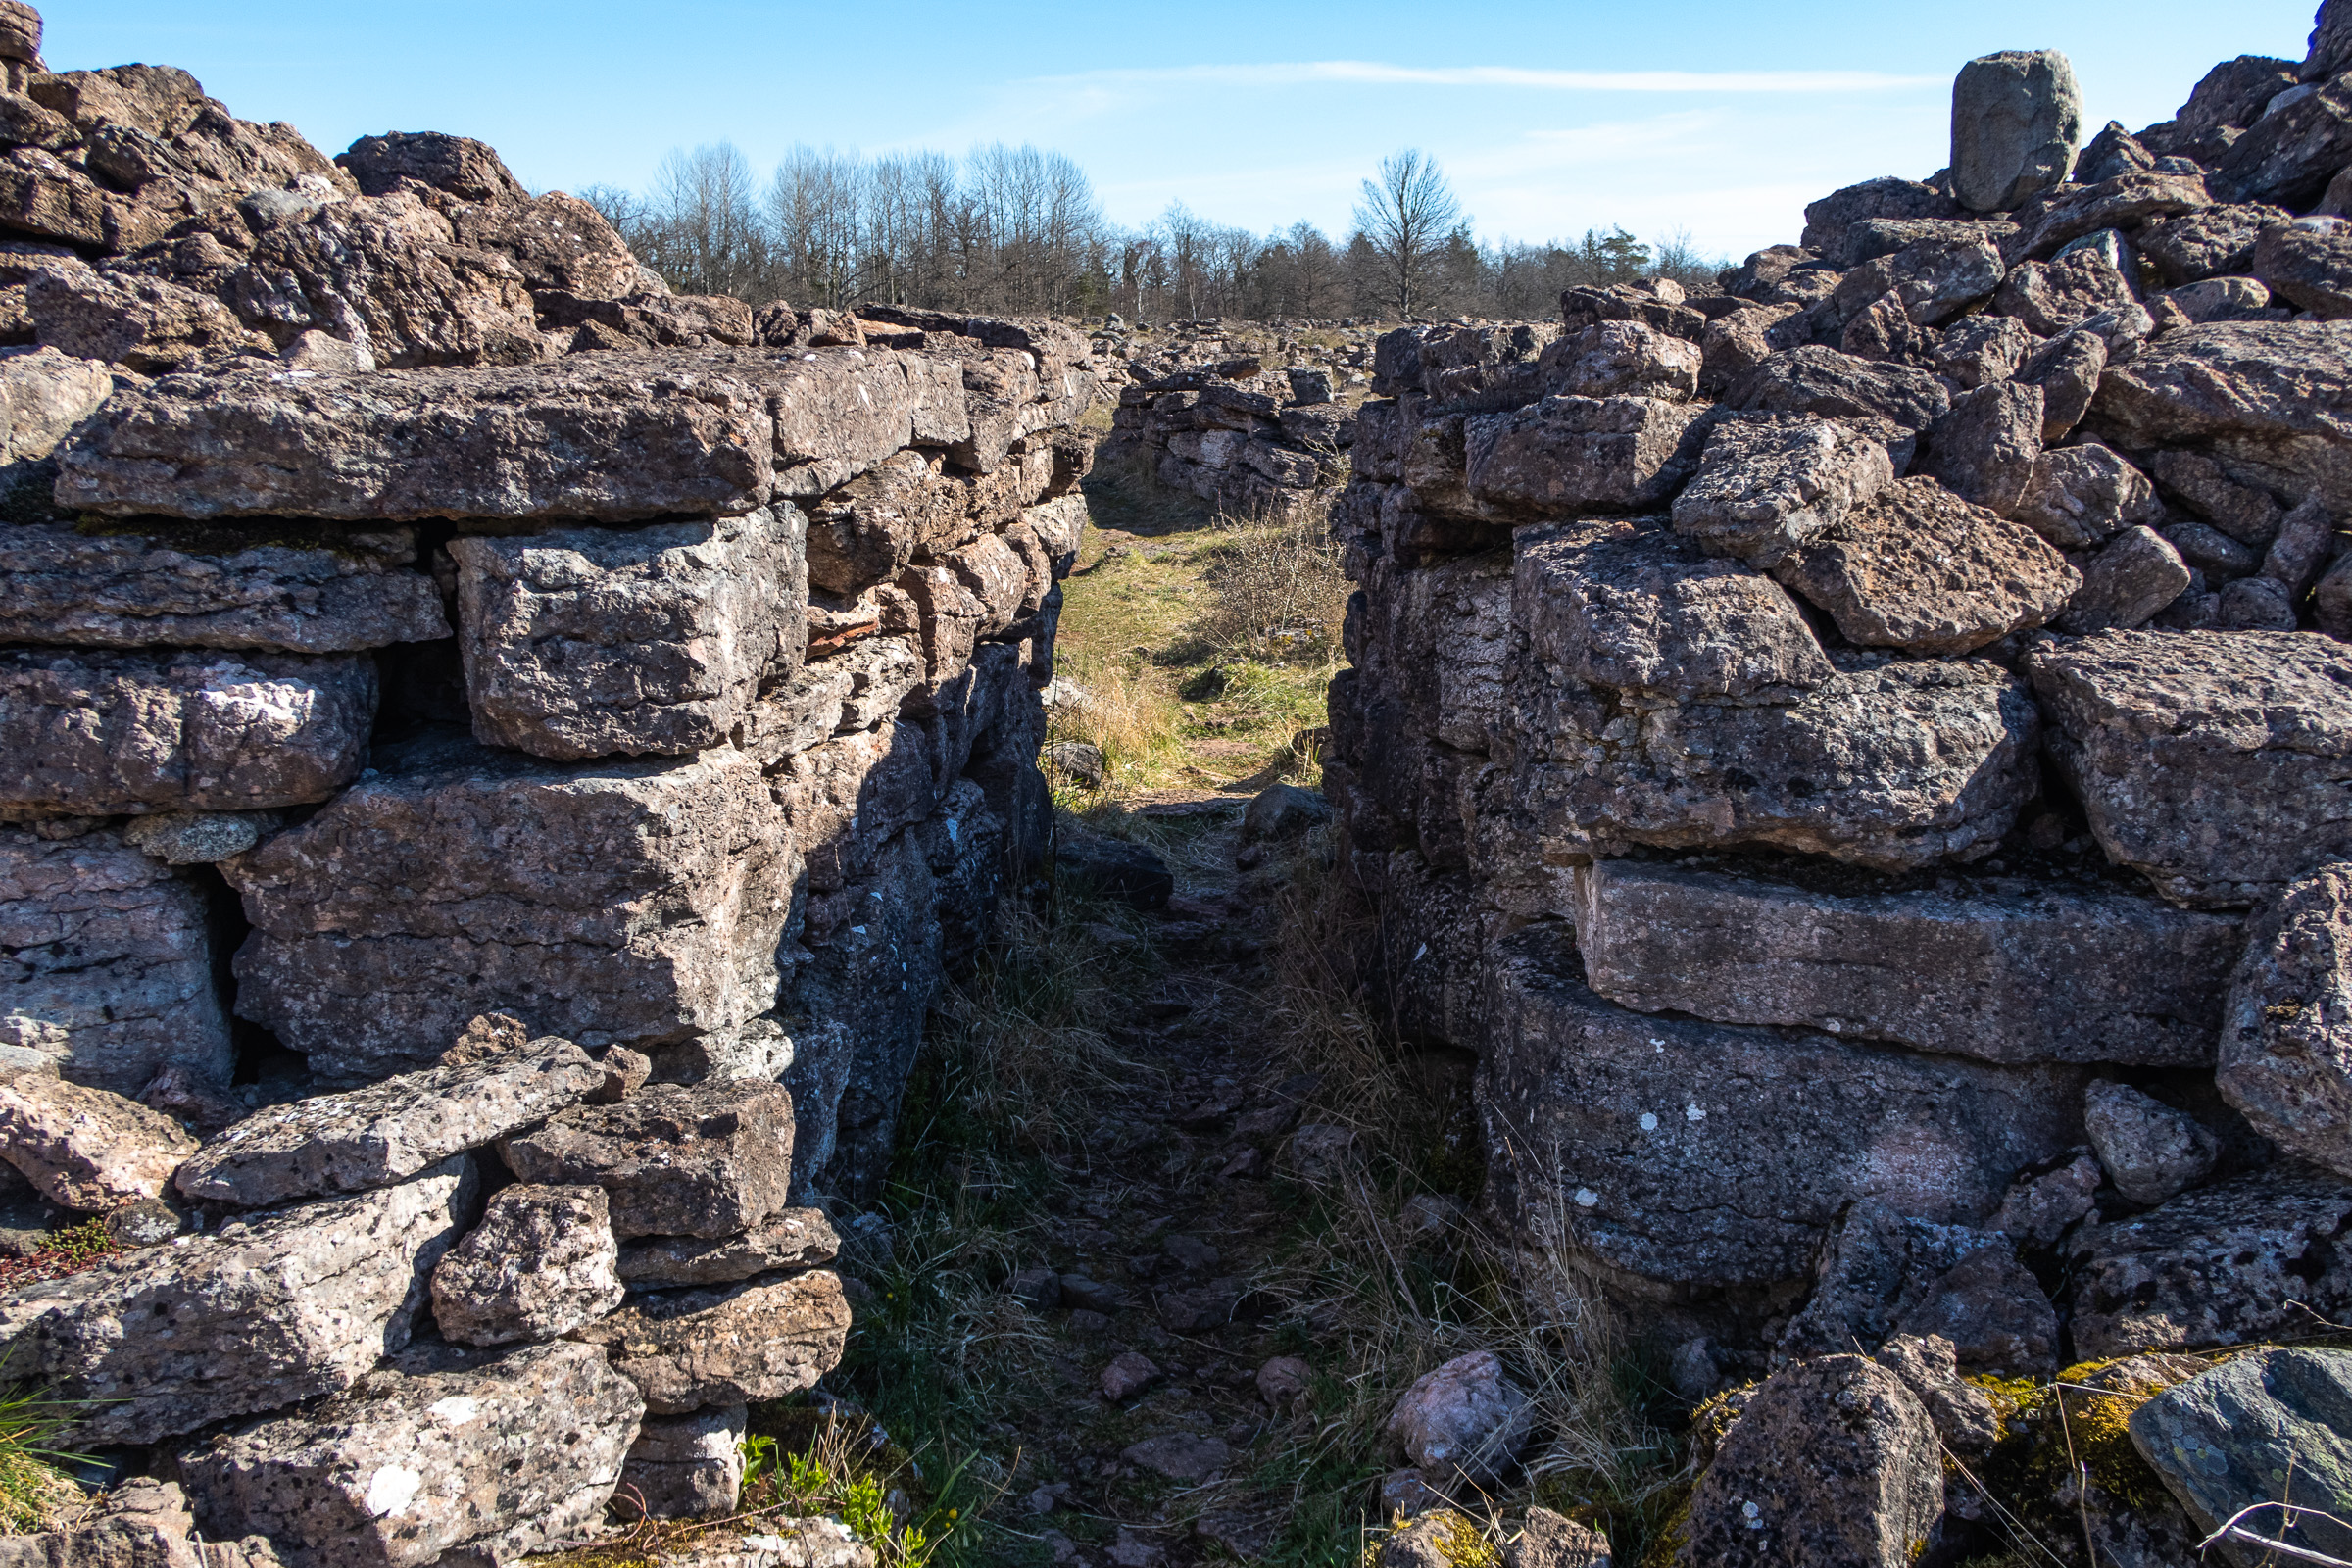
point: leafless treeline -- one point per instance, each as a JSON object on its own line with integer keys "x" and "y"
{"x": 1013, "y": 230}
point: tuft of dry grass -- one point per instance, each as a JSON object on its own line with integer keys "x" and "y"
{"x": 1279, "y": 594}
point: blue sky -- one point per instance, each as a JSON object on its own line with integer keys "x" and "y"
{"x": 1723, "y": 120}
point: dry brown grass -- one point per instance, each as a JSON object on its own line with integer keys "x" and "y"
{"x": 1278, "y": 593}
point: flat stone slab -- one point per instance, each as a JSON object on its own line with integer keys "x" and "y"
{"x": 504, "y": 1455}
{"x": 792, "y": 1238}
{"x": 106, "y": 962}
{"x": 690, "y": 1350}
{"x": 258, "y": 1315}
{"x": 1889, "y": 765}
{"x": 638, "y": 902}
{"x": 2268, "y": 400}
{"x": 1712, "y": 1156}
{"x": 590, "y": 642}
{"x": 99, "y": 734}
{"x": 200, "y": 588}
{"x": 2002, "y": 969}
{"x": 2211, "y": 762}
{"x": 713, "y": 1161}
{"x": 387, "y": 1132}
{"x": 606, "y": 437}
{"x": 85, "y": 1148}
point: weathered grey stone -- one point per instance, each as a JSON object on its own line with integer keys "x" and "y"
{"x": 691, "y": 1349}
{"x": 1984, "y": 448}
{"x": 2134, "y": 575}
{"x": 2017, "y": 119}
{"x": 1921, "y": 569}
{"x": 2050, "y": 297}
{"x": 2067, "y": 369}
{"x": 789, "y": 1238}
{"x": 686, "y": 1466}
{"x": 2285, "y": 1053}
{"x": 597, "y": 437}
{"x": 2291, "y": 151}
{"x": 257, "y": 1315}
{"x": 1932, "y": 280}
{"x": 1980, "y": 350}
{"x": 86, "y": 1149}
{"x": 139, "y": 1524}
{"x": 648, "y": 912}
{"x": 2205, "y": 760}
{"x": 465, "y": 168}
{"x": 136, "y": 590}
{"x": 1882, "y": 1274}
{"x": 1890, "y": 764}
{"x": 1869, "y": 1492}
{"x": 199, "y": 838}
{"x": 1569, "y": 455}
{"x": 499, "y": 1456}
{"x": 1766, "y": 486}
{"x": 539, "y": 1264}
{"x": 2125, "y": 200}
{"x": 1704, "y": 1155}
{"x": 2151, "y": 1151}
{"x": 2207, "y": 245}
{"x": 2255, "y": 604}
{"x": 1837, "y": 387}
{"x": 2246, "y": 513}
{"x": 2041, "y": 1205}
{"x": 43, "y": 394}
{"x": 1992, "y": 968}
{"x": 588, "y": 642}
{"x": 1633, "y": 606}
{"x": 2308, "y": 264}
{"x": 106, "y": 964}
{"x": 101, "y": 733}
{"x": 2079, "y": 496}
{"x": 1465, "y": 1422}
{"x": 387, "y": 1132}
{"x": 1965, "y": 1418}
{"x": 2264, "y": 399}
{"x": 1834, "y": 222}
{"x": 2260, "y": 1431}
{"x": 1619, "y": 359}
{"x": 2238, "y": 1263}
{"x": 145, "y": 324}
{"x": 711, "y": 1160}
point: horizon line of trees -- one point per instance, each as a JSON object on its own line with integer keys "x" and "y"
{"x": 1017, "y": 230}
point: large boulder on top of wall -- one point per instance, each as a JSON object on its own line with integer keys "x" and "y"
{"x": 587, "y": 642}
{"x": 1704, "y": 1155}
{"x": 335, "y": 592}
{"x": 106, "y": 957}
{"x": 2266, "y": 400}
{"x": 2017, "y": 119}
{"x": 437, "y": 1453}
{"x": 99, "y": 733}
{"x": 1890, "y": 764}
{"x": 2207, "y": 761}
{"x": 638, "y": 902}
{"x": 260, "y": 1314}
{"x": 1984, "y": 968}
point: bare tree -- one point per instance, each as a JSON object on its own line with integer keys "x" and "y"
{"x": 1407, "y": 215}
{"x": 703, "y": 231}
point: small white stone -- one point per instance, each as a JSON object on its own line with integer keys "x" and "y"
{"x": 1650, "y": 1121}
{"x": 1691, "y": 1112}
{"x": 1587, "y": 1198}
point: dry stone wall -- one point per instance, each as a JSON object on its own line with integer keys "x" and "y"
{"x": 506, "y": 754}
{"x": 1858, "y": 753}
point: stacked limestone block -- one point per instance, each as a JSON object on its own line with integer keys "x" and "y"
{"x": 1858, "y": 754}
{"x": 506, "y": 755}
{"x": 1252, "y": 443}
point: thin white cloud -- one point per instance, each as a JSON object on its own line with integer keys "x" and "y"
{"x": 1307, "y": 72}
